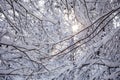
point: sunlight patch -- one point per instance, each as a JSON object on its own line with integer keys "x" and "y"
{"x": 75, "y": 28}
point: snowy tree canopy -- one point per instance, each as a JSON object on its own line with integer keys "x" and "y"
{"x": 59, "y": 39}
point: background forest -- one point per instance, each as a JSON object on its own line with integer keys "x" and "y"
{"x": 59, "y": 39}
